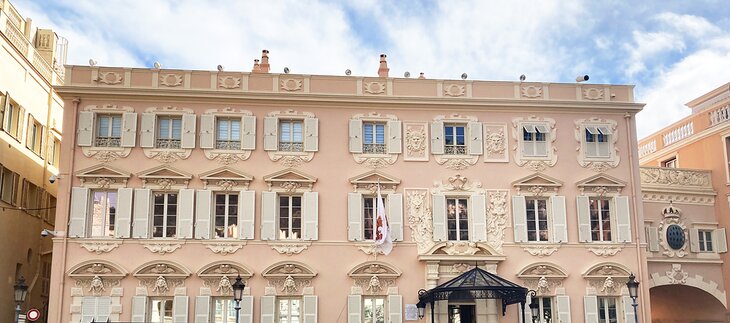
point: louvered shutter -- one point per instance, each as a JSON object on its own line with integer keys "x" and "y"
{"x": 147, "y": 130}
{"x": 248, "y": 133}
{"x": 623, "y": 219}
{"x": 103, "y": 308}
{"x": 591, "y": 148}
{"x": 85, "y": 129}
{"x": 519, "y": 216}
{"x": 721, "y": 240}
{"x": 203, "y": 213}
{"x": 694, "y": 240}
{"x": 395, "y": 216}
{"x": 476, "y": 142}
{"x": 139, "y": 307}
{"x": 207, "y": 131}
{"x": 246, "y": 211}
{"x": 478, "y": 211}
{"x": 584, "y": 219}
{"x": 560, "y": 224}
{"x": 268, "y": 309}
{"x": 79, "y": 212}
{"x": 652, "y": 237}
{"x": 270, "y": 133}
{"x": 354, "y": 216}
{"x": 268, "y": 215}
{"x": 437, "y": 138}
{"x": 129, "y": 129}
{"x": 590, "y": 307}
{"x": 21, "y": 124}
{"x": 354, "y": 309}
{"x": 541, "y": 148}
{"x": 309, "y": 304}
{"x": 527, "y": 314}
{"x": 4, "y": 103}
{"x": 310, "y": 216}
{"x": 628, "y": 309}
{"x": 246, "y": 309}
{"x": 395, "y": 137}
{"x": 395, "y": 308}
{"x": 355, "y": 136}
{"x": 202, "y": 309}
{"x": 88, "y": 308}
{"x": 140, "y": 220}
{"x": 180, "y": 309}
{"x": 604, "y": 149}
{"x": 438, "y": 211}
{"x": 311, "y": 134}
{"x": 123, "y": 220}
{"x": 188, "y": 131}
{"x": 185, "y": 210}
{"x": 563, "y": 304}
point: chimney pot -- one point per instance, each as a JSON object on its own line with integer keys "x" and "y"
{"x": 383, "y": 69}
{"x": 421, "y": 77}
{"x": 265, "y": 67}
{"x": 256, "y": 66}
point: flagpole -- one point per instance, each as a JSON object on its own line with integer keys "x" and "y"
{"x": 376, "y": 249}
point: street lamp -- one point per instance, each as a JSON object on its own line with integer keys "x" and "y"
{"x": 238, "y": 287}
{"x": 633, "y": 287}
{"x": 21, "y": 290}
{"x": 534, "y": 306}
{"x": 421, "y": 310}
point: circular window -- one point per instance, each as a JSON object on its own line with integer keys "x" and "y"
{"x": 675, "y": 237}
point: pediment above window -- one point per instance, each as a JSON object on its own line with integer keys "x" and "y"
{"x": 108, "y": 108}
{"x": 220, "y": 276}
{"x": 103, "y": 176}
{"x": 368, "y": 182}
{"x": 97, "y": 277}
{"x": 607, "y": 278}
{"x": 543, "y": 277}
{"x": 161, "y": 276}
{"x": 289, "y": 278}
{"x": 601, "y": 184}
{"x": 164, "y": 177}
{"x": 374, "y": 277}
{"x": 290, "y": 180}
{"x": 225, "y": 179}
{"x": 537, "y": 184}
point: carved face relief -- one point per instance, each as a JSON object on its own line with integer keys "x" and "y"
{"x": 374, "y": 284}
{"x": 160, "y": 285}
{"x": 289, "y": 286}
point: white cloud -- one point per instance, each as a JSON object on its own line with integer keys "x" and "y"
{"x": 646, "y": 46}
{"x": 692, "y": 25}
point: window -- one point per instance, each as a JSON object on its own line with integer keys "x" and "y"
{"x": 103, "y": 213}
{"x": 108, "y": 130}
{"x": 54, "y": 152}
{"x": 369, "y": 217}
{"x": 457, "y": 218}
{"x": 160, "y": 310}
{"x": 537, "y": 219}
{"x": 291, "y": 135}
{"x": 224, "y": 310}
{"x": 534, "y": 142}
{"x": 373, "y": 309}
{"x": 13, "y": 119}
{"x": 289, "y": 310}
{"x": 546, "y": 309}
{"x": 51, "y": 219}
{"x": 670, "y": 163}
{"x": 95, "y": 308}
{"x": 226, "y": 215}
{"x": 600, "y": 212}
{"x": 607, "y": 310}
{"x": 165, "y": 215}
{"x": 374, "y": 138}
{"x": 705, "y": 240}
{"x": 290, "y": 217}
{"x": 31, "y": 198}
{"x": 34, "y": 140}
{"x": 597, "y": 144}
{"x": 228, "y": 133}
{"x": 454, "y": 139}
{"x": 169, "y": 132}
{"x": 9, "y": 189}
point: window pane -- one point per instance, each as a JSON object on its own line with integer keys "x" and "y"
{"x": 368, "y": 133}
{"x": 368, "y": 218}
{"x": 103, "y": 126}
{"x": 297, "y": 131}
{"x": 164, "y": 128}
{"x": 235, "y": 130}
{"x": 380, "y": 134}
{"x": 223, "y": 129}
{"x": 117, "y": 126}
{"x": 176, "y": 128}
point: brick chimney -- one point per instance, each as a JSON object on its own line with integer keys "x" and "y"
{"x": 421, "y": 77}
{"x": 256, "y": 66}
{"x": 265, "y": 67}
{"x": 383, "y": 70}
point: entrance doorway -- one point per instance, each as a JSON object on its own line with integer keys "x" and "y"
{"x": 462, "y": 314}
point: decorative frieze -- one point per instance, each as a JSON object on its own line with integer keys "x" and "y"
{"x": 162, "y": 247}
{"x": 224, "y": 248}
{"x": 683, "y": 178}
{"x": 419, "y": 219}
{"x": 542, "y": 251}
{"x": 99, "y": 247}
{"x": 605, "y": 251}
{"x": 289, "y": 248}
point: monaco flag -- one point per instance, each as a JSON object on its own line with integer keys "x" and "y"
{"x": 382, "y": 237}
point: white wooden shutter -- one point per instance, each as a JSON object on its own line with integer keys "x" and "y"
{"x": 185, "y": 211}
{"x": 147, "y": 130}
{"x": 437, "y": 138}
{"x": 652, "y": 237}
{"x": 478, "y": 211}
{"x": 21, "y": 124}
{"x": 395, "y": 309}
{"x": 476, "y": 142}
{"x": 438, "y": 212}
{"x": 129, "y": 129}
{"x": 563, "y": 304}
{"x": 623, "y": 219}
{"x": 203, "y": 213}
{"x": 123, "y": 221}
{"x": 694, "y": 240}
{"x": 354, "y": 309}
{"x": 248, "y": 133}
{"x": 519, "y": 216}
{"x": 268, "y": 216}
{"x": 604, "y": 149}
{"x": 310, "y": 216}
{"x": 246, "y": 211}
{"x": 103, "y": 308}
{"x": 395, "y": 216}
{"x": 355, "y": 131}
{"x": 560, "y": 224}
{"x": 139, "y": 307}
{"x": 311, "y": 134}
{"x": 202, "y": 309}
{"x": 268, "y": 309}
{"x": 354, "y": 216}
{"x": 142, "y": 206}
{"x": 188, "y": 131}
{"x": 85, "y": 130}
{"x": 584, "y": 219}
{"x": 207, "y": 131}
{"x": 246, "y": 309}
{"x": 271, "y": 125}
{"x": 180, "y": 309}
{"x": 720, "y": 240}
{"x": 591, "y": 149}
{"x": 79, "y": 212}
{"x": 527, "y": 314}
{"x": 395, "y": 137}
{"x": 309, "y": 304}
{"x": 4, "y": 103}
{"x": 88, "y": 308}
{"x": 590, "y": 306}
{"x": 628, "y": 309}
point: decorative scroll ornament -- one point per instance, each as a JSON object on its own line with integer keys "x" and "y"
{"x": 673, "y": 177}
{"x": 605, "y": 251}
{"x": 291, "y": 84}
{"x": 374, "y": 87}
{"x": 376, "y": 162}
{"x": 541, "y": 251}
{"x": 461, "y": 248}
{"x": 229, "y": 82}
{"x": 593, "y": 94}
{"x": 99, "y": 247}
{"x": 224, "y": 248}
{"x": 677, "y": 275}
{"x": 106, "y": 156}
{"x": 162, "y": 247}
{"x": 454, "y": 90}
{"x": 110, "y": 78}
{"x": 419, "y": 219}
{"x": 531, "y": 91}
{"x": 289, "y": 248}
{"x": 496, "y": 218}
{"x": 370, "y": 249}
{"x": 459, "y": 268}
{"x": 171, "y": 80}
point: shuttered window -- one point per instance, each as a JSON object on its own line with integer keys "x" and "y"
{"x": 290, "y": 217}
{"x": 8, "y": 185}
{"x": 169, "y": 132}
{"x": 457, "y": 219}
{"x": 108, "y": 130}
{"x": 164, "y": 215}
{"x": 103, "y": 214}
{"x": 546, "y": 309}
{"x": 160, "y": 310}
{"x": 34, "y": 139}
{"x": 705, "y": 240}
{"x": 369, "y": 217}
{"x": 228, "y": 133}
{"x": 224, "y": 311}
{"x": 291, "y": 135}
{"x": 373, "y": 138}
{"x": 13, "y": 122}
{"x": 600, "y": 213}
{"x": 226, "y": 215}
{"x": 607, "y": 312}
{"x": 288, "y": 310}
{"x": 537, "y": 219}
{"x": 54, "y": 151}
{"x": 373, "y": 310}
{"x": 455, "y": 139}
{"x": 534, "y": 142}
{"x": 597, "y": 144}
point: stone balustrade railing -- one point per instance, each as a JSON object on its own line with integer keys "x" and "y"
{"x": 647, "y": 148}
{"x": 678, "y": 133}
{"x": 719, "y": 115}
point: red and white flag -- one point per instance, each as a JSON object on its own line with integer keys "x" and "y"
{"x": 382, "y": 230}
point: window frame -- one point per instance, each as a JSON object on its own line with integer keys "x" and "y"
{"x": 109, "y": 140}
{"x": 541, "y": 305}
{"x": 290, "y": 234}
{"x": 106, "y": 220}
{"x": 226, "y": 216}
{"x": 374, "y": 148}
{"x": 34, "y": 139}
{"x": 603, "y": 301}
{"x": 15, "y": 179}
{"x": 291, "y": 144}
{"x": 602, "y": 137}
{"x": 225, "y": 301}
{"x": 548, "y": 219}
{"x": 706, "y": 240}
{"x": 613, "y": 228}
{"x": 671, "y": 162}
{"x": 366, "y": 298}
{"x": 169, "y": 142}
{"x": 456, "y": 149}
{"x": 165, "y": 216}
{"x": 229, "y": 143}
{"x": 277, "y": 308}
{"x": 374, "y": 209}
{"x": 11, "y": 123}
{"x": 149, "y": 309}
{"x": 53, "y": 155}
{"x": 535, "y": 137}
{"x": 456, "y": 219}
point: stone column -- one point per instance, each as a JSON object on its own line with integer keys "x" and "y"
{"x": 492, "y": 311}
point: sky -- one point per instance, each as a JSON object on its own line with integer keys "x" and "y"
{"x": 673, "y": 51}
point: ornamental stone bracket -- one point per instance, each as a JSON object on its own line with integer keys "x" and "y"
{"x": 370, "y": 248}
{"x": 290, "y": 248}
{"x": 162, "y": 248}
{"x": 224, "y": 248}
{"x": 605, "y": 251}
{"x": 99, "y": 247}
{"x": 542, "y": 251}
{"x": 456, "y": 162}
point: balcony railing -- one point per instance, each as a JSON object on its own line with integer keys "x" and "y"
{"x": 227, "y": 145}
{"x": 291, "y": 146}
{"x": 108, "y": 142}
{"x": 679, "y": 133}
{"x": 374, "y": 148}
{"x": 720, "y": 115}
{"x": 647, "y": 148}
{"x": 455, "y": 150}
{"x": 168, "y": 143}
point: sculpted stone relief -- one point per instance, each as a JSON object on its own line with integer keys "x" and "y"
{"x": 672, "y": 216}
{"x": 289, "y": 278}
{"x": 110, "y": 78}
{"x": 374, "y": 278}
{"x": 496, "y": 218}
{"x": 416, "y": 141}
{"x": 162, "y": 247}
{"x": 161, "y": 278}
{"x": 171, "y": 80}
{"x": 593, "y": 94}
{"x": 543, "y": 277}
{"x": 495, "y": 143}
{"x": 674, "y": 177}
{"x": 605, "y": 251}
{"x": 531, "y": 91}
{"x": 454, "y": 90}
{"x": 291, "y": 84}
{"x": 229, "y": 82}
{"x": 419, "y": 219}
{"x": 374, "y": 87}
{"x": 220, "y": 276}
{"x": 542, "y": 251}
{"x": 99, "y": 247}
{"x": 97, "y": 278}
{"x": 224, "y": 248}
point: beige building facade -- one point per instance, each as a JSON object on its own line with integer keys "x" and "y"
{"x": 30, "y": 135}
{"x": 178, "y": 181}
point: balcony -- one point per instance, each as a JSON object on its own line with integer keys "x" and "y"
{"x": 662, "y": 178}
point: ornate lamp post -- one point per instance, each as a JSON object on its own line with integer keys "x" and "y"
{"x": 238, "y": 288}
{"x": 21, "y": 290}
{"x": 534, "y": 306}
{"x": 633, "y": 287}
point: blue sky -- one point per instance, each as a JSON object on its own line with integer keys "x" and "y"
{"x": 673, "y": 51}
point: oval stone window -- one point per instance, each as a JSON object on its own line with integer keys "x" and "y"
{"x": 675, "y": 237}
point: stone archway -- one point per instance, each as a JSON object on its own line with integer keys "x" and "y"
{"x": 678, "y": 276}
{"x": 684, "y": 304}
